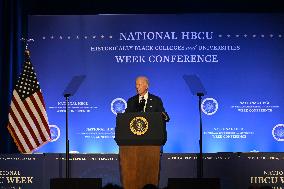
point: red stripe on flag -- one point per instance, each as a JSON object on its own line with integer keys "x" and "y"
{"x": 35, "y": 121}
{"x": 27, "y": 141}
{"x": 39, "y": 94}
{"x": 44, "y": 121}
{"x": 24, "y": 118}
{"x": 16, "y": 139}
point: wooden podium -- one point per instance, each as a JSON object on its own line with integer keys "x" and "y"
{"x": 139, "y": 136}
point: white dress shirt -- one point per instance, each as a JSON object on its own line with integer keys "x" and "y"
{"x": 146, "y": 99}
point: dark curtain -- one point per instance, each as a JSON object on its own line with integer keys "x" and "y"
{"x": 12, "y": 21}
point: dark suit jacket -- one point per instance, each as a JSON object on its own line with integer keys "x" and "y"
{"x": 154, "y": 104}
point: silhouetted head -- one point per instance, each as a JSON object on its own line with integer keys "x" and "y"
{"x": 150, "y": 186}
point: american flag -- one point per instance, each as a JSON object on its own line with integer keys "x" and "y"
{"x": 28, "y": 123}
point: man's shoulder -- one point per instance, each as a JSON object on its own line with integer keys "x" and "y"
{"x": 133, "y": 98}
{"x": 154, "y": 97}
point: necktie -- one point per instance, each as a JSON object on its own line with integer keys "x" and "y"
{"x": 142, "y": 104}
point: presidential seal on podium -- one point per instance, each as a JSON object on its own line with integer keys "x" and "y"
{"x": 139, "y": 125}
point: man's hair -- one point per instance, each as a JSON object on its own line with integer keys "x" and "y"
{"x": 144, "y": 78}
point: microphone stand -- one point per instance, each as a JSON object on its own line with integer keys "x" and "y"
{"x": 200, "y": 157}
{"x": 67, "y": 139}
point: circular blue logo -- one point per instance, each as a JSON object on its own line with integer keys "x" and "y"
{"x": 209, "y": 106}
{"x": 118, "y": 105}
{"x": 55, "y": 132}
{"x": 278, "y": 132}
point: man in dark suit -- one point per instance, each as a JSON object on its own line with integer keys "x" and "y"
{"x": 144, "y": 101}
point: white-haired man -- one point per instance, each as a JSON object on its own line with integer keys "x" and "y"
{"x": 145, "y": 101}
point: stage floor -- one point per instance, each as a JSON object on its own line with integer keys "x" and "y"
{"x": 235, "y": 170}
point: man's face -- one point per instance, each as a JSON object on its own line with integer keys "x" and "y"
{"x": 141, "y": 86}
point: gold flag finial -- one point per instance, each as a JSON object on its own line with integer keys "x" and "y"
{"x": 27, "y": 52}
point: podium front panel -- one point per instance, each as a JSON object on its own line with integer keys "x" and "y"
{"x": 141, "y": 128}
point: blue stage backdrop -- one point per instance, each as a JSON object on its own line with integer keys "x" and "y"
{"x": 239, "y": 59}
